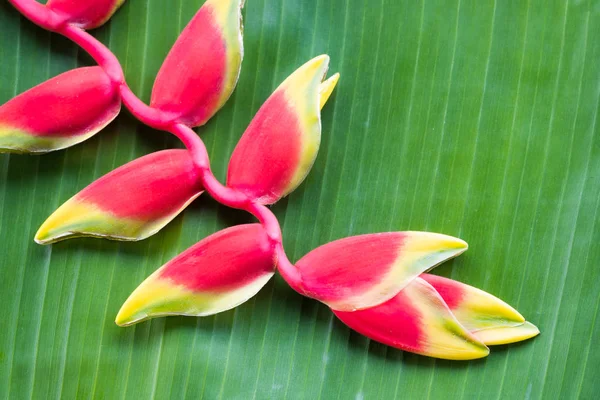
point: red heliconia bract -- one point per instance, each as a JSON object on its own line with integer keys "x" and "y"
{"x": 130, "y": 203}
{"x": 202, "y": 69}
{"x": 362, "y": 271}
{"x": 87, "y": 14}
{"x": 490, "y": 319}
{"x": 60, "y": 112}
{"x": 417, "y": 320}
{"x": 280, "y": 145}
{"x": 217, "y": 274}
{"x": 375, "y": 284}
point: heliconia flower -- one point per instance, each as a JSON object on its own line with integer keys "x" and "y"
{"x": 363, "y": 271}
{"x": 87, "y": 14}
{"x": 59, "y": 113}
{"x": 280, "y": 145}
{"x": 130, "y": 203}
{"x": 215, "y": 275}
{"x": 490, "y": 319}
{"x": 202, "y": 69}
{"x": 417, "y": 320}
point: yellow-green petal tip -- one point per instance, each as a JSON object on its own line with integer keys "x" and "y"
{"x": 507, "y": 335}
{"x": 326, "y": 88}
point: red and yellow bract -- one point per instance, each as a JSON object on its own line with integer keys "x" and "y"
{"x": 202, "y": 69}
{"x": 60, "y": 112}
{"x": 130, "y": 203}
{"x": 362, "y": 271}
{"x": 417, "y": 320}
{"x": 219, "y": 273}
{"x": 490, "y": 319}
{"x": 278, "y": 149}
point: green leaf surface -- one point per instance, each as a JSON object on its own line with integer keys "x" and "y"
{"x": 477, "y": 119}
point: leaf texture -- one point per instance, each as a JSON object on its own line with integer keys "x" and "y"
{"x": 475, "y": 119}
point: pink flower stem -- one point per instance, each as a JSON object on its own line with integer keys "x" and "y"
{"x": 158, "y": 119}
{"x": 108, "y": 61}
{"x": 39, "y": 14}
{"x": 236, "y": 199}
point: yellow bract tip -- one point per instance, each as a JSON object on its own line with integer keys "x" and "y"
{"x": 306, "y": 78}
{"x": 327, "y": 87}
{"x": 56, "y": 225}
{"x": 436, "y": 246}
{"x": 506, "y": 335}
{"x": 41, "y": 237}
{"x": 320, "y": 59}
{"x": 148, "y": 300}
{"x": 159, "y": 297}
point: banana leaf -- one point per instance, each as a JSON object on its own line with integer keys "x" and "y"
{"x": 477, "y": 119}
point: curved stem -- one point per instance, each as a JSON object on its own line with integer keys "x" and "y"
{"x": 235, "y": 199}
{"x": 158, "y": 119}
{"x": 106, "y": 59}
{"x": 288, "y": 271}
{"x": 39, "y": 14}
{"x": 221, "y": 193}
{"x": 98, "y": 51}
{"x": 152, "y": 117}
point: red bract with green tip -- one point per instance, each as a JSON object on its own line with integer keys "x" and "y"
{"x": 201, "y": 70}
{"x": 280, "y": 145}
{"x": 130, "y": 203}
{"x": 60, "y": 112}
{"x": 86, "y": 14}
{"x": 219, "y": 273}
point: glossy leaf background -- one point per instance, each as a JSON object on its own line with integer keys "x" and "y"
{"x": 475, "y": 119}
